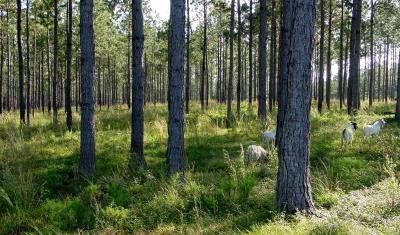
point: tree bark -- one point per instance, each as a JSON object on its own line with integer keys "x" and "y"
{"x": 340, "y": 75}
{"x": 239, "y": 68}
{"x": 329, "y": 63}
{"x": 293, "y": 133}
{"x": 204, "y": 60}
{"x": 398, "y": 91}
{"x": 251, "y": 53}
{"x": 55, "y": 63}
{"x": 321, "y": 58}
{"x": 262, "y": 74}
{"x": 187, "y": 85}
{"x": 230, "y": 80}
{"x": 68, "y": 94}
{"x": 176, "y": 55}
{"x": 137, "y": 86}
{"x": 272, "y": 63}
{"x": 372, "y": 58}
{"x": 88, "y": 149}
{"x": 28, "y": 67}
{"x": 1, "y": 65}
{"x": 355, "y": 44}
{"x": 20, "y": 64}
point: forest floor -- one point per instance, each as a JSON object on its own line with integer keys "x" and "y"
{"x": 356, "y": 190}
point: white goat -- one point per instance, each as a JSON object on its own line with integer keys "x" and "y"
{"x": 255, "y": 153}
{"x": 268, "y": 137}
{"x": 374, "y": 129}
{"x": 348, "y": 133}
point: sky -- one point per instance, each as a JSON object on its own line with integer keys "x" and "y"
{"x": 161, "y": 7}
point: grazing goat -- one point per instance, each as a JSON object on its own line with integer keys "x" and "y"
{"x": 348, "y": 133}
{"x": 268, "y": 137}
{"x": 374, "y": 129}
{"x": 255, "y": 153}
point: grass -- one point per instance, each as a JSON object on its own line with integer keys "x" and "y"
{"x": 355, "y": 189}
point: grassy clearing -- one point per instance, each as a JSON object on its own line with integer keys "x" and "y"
{"x": 355, "y": 189}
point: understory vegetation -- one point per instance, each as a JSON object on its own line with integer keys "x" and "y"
{"x": 356, "y": 189}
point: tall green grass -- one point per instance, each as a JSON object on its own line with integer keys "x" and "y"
{"x": 40, "y": 191}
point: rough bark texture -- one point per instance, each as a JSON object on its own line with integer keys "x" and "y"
{"x": 293, "y": 133}
{"x": 372, "y": 57}
{"x": 20, "y": 64}
{"x": 354, "y": 74}
{"x": 68, "y": 93}
{"x": 251, "y": 54}
{"x": 176, "y": 55}
{"x": 398, "y": 91}
{"x": 1, "y": 66}
{"x": 28, "y": 67}
{"x": 230, "y": 79}
{"x": 88, "y": 149}
{"x": 321, "y": 58}
{"x": 329, "y": 62}
{"x": 272, "y": 61}
{"x": 204, "y": 60}
{"x": 137, "y": 86}
{"x": 55, "y": 62}
{"x": 340, "y": 75}
{"x": 187, "y": 85}
{"x": 262, "y": 69}
{"x": 48, "y": 73}
{"x": 239, "y": 67}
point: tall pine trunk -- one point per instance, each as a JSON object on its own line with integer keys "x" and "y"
{"x": 329, "y": 63}
{"x": 230, "y": 80}
{"x": 272, "y": 61}
{"x": 28, "y": 67}
{"x": 68, "y": 84}
{"x": 137, "y": 87}
{"x": 239, "y": 68}
{"x": 340, "y": 75}
{"x": 355, "y": 44}
{"x": 251, "y": 53}
{"x": 187, "y": 84}
{"x": 88, "y": 148}
{"x": 293, "y": 133}
{"x": 398, "y": 91}
{"x": 321, "y": 58}
{"x": 55, "y": 63}
{"x": 176, "y": 55}
{"x": 372, "y": 58}
{"x": 20, "y": 64}
{"x": 262, "y": 74}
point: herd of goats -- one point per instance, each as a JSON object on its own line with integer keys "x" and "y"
{"x": 256, "y": 153}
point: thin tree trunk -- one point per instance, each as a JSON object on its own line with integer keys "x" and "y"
{"x": 262, "y": 74}
{"x": 1, "y": 65}
{"x": 176, "y": 55}
{"x": 137, "y": 87}
{"x": 272, "y": 65}
{"x": 355, "y": 42}
{"x": 230, "y": 82}
{"x": 239, "y": 69}
{"x": 329, "y": 63}
{"x": 55, "y": 62}
{"x": 28, "y": 67}
{"x": 69, "y": 64}
{"x": 340, "y": 75}
{"x": 321, "y": 58}
{"x": 398, "y": 91}
{"x": 20, "y": 64}
{"x": 187, "y": 87}
{"x": 88, "y": 149}
{"x": 372, "y": 60}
